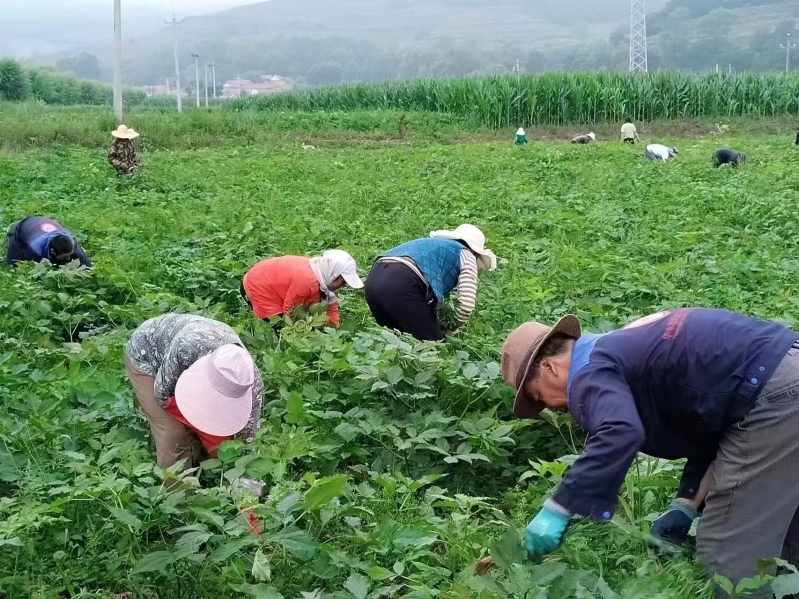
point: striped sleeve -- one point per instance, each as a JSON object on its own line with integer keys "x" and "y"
{"x": 467, "y": 286}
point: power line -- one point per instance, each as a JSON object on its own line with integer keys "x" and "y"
{"x": 156, "y": 15}
{"x": 166, "y": 7}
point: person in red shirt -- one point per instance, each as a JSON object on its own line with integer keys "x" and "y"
{"x": 275, "y": 286}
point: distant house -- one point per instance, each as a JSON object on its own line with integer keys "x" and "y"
{"x": 156, "y": 90}
{"x": 241, "y": 88}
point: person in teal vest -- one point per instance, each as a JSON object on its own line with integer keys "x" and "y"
{"x": 407, "y": 283}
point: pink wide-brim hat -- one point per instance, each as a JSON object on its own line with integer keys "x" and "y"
{"x": 215, "y": 393}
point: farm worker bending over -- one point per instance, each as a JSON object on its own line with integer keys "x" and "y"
{"x": 728, "y": 156}
{"x": 407, "y": 283}
{"x": 629, "y": 134}
{"x": 122, "y": 155}
{"x": 689, "y": 383}
{"x": 36, "y": 238}
{"x": 194, "y": 380}
{"x": 584, "y": 139}
{"x": 660, "y": 152}
{"x": 275, "y": 286}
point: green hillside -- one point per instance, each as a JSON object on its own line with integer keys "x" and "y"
{"x": 254, "y": 38}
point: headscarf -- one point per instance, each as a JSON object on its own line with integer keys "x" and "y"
{"x": 327, "y": 268}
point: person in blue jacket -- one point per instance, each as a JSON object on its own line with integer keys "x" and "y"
{"x": 36, "y": 238}
{"x": 717, "y": 388}
{"x": 407, "y": 283}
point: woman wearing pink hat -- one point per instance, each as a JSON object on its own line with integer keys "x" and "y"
{"x": 194, "y": 380}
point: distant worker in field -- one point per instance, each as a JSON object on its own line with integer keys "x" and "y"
{"x": 38, "y": 238}
{"x": 122, "y": 155}
{"x": 195, "y": 381}
{"x": 407, "y": 283}
{"x": 584, "y": 139}
{"x": 656, "y": 152}
{"x": 728, "y": 156}
{"x": 629, "y": 133}
{"x": 520, "y": 138}
{"x": 276, "y": 286}
{"x": 718, "y": 388}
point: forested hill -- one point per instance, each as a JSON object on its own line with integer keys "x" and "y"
{"x": 386, "y": 38}
{"x": 320, "y": 42}
{"x": 425, "y": 22}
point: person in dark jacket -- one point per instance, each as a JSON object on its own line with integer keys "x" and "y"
{"x": 584, "y": 139}
{"x": 729, "y": 156}
{"x": 37, "y": 238}
{"x": 711, "y": 386}
{"x": 407, "y": 283}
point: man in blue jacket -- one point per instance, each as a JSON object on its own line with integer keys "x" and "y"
{"x": 35, "y": 238}
{"x": 711, "y": 386}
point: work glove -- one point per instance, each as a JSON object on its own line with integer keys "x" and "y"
{"x": 545, "y": 531}
{"x": 675, "y": 524}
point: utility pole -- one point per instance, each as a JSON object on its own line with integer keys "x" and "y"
{"x": 174, "y": 22}
{"x": 118, "y": 60}
{"x": 167, "y": 86}
{"x": 788, "y": 46}
{"x": 638, "y": 49}
{"x": 205, "y": 84}
{"x": 196, "y": 57}
{"x": 213, "y": 76}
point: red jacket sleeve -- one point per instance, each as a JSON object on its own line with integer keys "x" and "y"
{"x": 333, "y": 315}
{"x": 298, "y": 294}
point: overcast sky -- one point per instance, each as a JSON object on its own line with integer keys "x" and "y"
{"x": 182, "y": 7}
{"x": 28, "y": 26}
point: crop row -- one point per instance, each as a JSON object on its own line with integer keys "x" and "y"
{"x": 560, "y": 98}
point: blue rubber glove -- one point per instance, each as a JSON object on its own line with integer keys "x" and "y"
{"x": 675, "y": 524}
{"x": 545, "y": 531}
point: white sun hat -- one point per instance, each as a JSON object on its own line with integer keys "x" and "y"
{"x": 215, "y": 393}
{"x": 124, "y": 132}
{"x": 592, "y": 136}
{"x": 345, "y": 266}
{"x": 475, "y": 239}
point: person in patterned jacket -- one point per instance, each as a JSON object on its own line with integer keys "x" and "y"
{"x": 407, "y": 283}
{"x": 194, "y": 380}
{"x": 122, "y": 155}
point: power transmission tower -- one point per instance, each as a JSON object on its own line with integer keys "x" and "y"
{"x": 174, "y": 22}
{"x": 638, "y": 53}
{"x": 196, "y": 58}
{"x": 788, "y": 46}
{"x": 118, "y": 61}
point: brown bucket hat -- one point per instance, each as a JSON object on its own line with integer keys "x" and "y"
{"x": 519, "y": 352}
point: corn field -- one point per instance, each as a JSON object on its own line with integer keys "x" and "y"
{"x": 560, "y": 98}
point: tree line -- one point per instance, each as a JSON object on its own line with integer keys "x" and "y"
{"x": 18, "y": 83}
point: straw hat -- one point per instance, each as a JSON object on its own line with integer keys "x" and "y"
{"x": 519, "y": 352}
{"x": 215, "y": 393}
{"x": 123, "y": 132}
{"x": 592, "y": 136}
{"x": 520, "y": 131}
{"x": 475, "y": 239}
